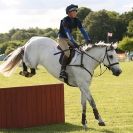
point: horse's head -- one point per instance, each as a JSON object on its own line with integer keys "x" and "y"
{"x": 110, "y": 59}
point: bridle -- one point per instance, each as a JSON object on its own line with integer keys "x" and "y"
{"x": 100, "y": 62}
{"x": 106, "y": 55}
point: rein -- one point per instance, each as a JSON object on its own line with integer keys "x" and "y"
{"x": 107, "y": 67}
{"x": 82, "y": 65}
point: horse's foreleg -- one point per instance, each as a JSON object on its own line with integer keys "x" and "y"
{"x": 83, "y": 103}
{"x": 96, "y": 113}
{"x": 89, "y": 97}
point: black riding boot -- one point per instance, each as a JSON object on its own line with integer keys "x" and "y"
{"x": 63, "y": 73}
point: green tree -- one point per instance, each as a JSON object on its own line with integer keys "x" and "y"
{"x": 9, "y": 46}
{"x": 83, "y": 12}
{"x": 17, "y": 37}
{"x": 130, "y": 28}
{"x": 99, "y": 23}
{"x": 127, "y": 17}
{"x": 20, "y": 35}
{"x": 49, "y": 32}
{"x": 126, "y": 44}
{"x": 120, "y": 29}
{"x": 4, "y": 37}
{"x": 12, "y": 31}
{"x": 3, "y": 47}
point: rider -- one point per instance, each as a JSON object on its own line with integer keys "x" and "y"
{"x": 67, "y": 25}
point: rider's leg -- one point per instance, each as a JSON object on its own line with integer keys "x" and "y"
{"x": 63, "y": 43}
{"x": 63, "y": 73}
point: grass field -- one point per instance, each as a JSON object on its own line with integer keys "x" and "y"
{"x": 113, "y": 96}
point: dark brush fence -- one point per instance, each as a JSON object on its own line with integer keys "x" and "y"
{"x": 31, "y": 106}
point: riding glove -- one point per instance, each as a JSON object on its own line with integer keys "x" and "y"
{"x": 75, "y": 45}
{"x": 89, "y": 42}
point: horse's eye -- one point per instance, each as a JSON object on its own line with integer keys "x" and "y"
{"x": 111, "y": 56}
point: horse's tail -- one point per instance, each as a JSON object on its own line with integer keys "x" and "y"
{"x": 11, "y": 62}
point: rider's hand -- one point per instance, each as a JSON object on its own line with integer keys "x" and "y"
{"x": 76, "y": 45}
{"x": 81, "y": 49}
{"x": 89, "y": 45}
{"x": 89, "y": 42}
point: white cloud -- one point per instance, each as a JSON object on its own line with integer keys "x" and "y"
{"x": 48, "y": 13}
{"x": 50, "y": 18}
{"x": 7, "y": 4}
{"x": 127, "y": 7}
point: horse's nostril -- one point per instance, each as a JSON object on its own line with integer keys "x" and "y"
{"x": 118, "y": 72}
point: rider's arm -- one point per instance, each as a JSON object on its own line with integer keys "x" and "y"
{"x": 84, "y": 33}
{"x": 68, "y": 33}
{"x": 70, "y": 37}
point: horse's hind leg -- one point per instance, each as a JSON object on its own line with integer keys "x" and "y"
{"x": 25, "y": 72}
{"x": 33, "y": 72}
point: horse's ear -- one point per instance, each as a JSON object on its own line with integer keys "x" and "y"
{"x": 113, "y": 45}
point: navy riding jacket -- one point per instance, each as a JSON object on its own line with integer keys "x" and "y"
{"x": 67, "y": 25}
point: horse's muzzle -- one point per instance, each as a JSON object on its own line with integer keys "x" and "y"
{"x": 116, "y": 72}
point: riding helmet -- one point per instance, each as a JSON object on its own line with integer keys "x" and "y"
{"x": 71, "y": 7}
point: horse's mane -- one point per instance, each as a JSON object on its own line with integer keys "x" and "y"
{"x": 100, "y": 44}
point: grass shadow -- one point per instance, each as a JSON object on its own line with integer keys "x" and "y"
{"x": 56, "y": 128}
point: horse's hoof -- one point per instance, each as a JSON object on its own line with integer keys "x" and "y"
{"x": 101, "y": 124}
{"x": 23, "y": 73}
{"x": 29, "y": 75}
{"x": 26, "y": 74}
{"x": 85, "y": 127}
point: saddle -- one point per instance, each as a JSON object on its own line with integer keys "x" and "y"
{"x": 72, "y": 53}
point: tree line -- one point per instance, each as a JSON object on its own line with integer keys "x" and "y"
{"x": 96, "y": 23}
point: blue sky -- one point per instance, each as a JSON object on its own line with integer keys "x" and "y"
{"x": 48, "y": 13}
